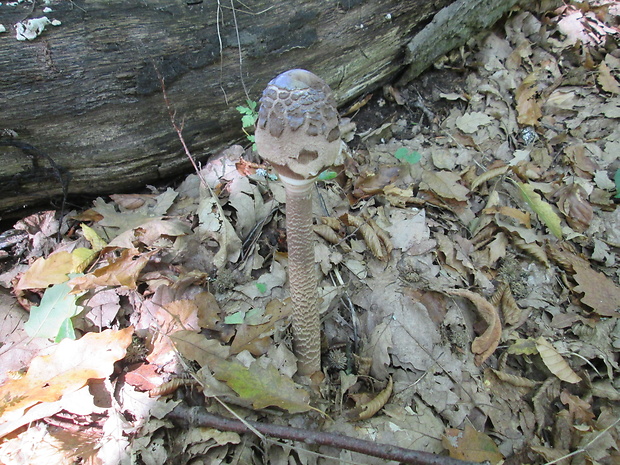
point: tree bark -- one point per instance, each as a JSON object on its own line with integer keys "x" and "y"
{"x": 82, "y": 103}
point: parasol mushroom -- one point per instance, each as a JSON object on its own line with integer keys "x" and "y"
{"x": 297, "y": 132}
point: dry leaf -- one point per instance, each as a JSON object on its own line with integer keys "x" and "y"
{"x": 197, "y": 347}
{"x": 369, "y": 409}
{"x": 484, "y": 345}
{"x": 445, "y": 184}
{"x": 257, "y": 338}
{"x": 504, "y": 299}
{"x": 327, "y": 233}
{"x": 555, "y": 362}
{"x": 607, "y": 81}
{"x": 55, "y": 268}
{"x": 488, "y": 175}
{"x": 368, "y": 234}
{"x": 65, "y": 368}
{"x": 542, "y": 209}
{"x": 384, "y": 237}
{"x": 264, "y": 387}
{"x": 532, "y": 248}
{"x": 528, "y": 108}
{"x": 518, "y": 381}
{"x": 121, "y": 271}
{"x": 600, "y": 293}
{"x": 573, "y": 204}
{"x": 471, "y": 445}
{"x": 470, "y": 122}
{"x": 519, "y": 215}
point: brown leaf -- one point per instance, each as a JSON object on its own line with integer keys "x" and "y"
{"x": 504, "y": 299}
{"x": 518, "y": 381}
{"x": 555, "y": 362}
{"x": 471, "y": 445}
{"x": 607, "y": 81}
{"x": 573, "y": 203}
{"x": 180, "y": 315}
{"x": 364, "y": 411}
{"x": 257, "y": 338}
{"x": 600, "y": 293}
{"x": 65, "y": 368}
{"x": 484, "y": 345}
{"x": 197, "y": 347}
{"x": 122, "y": 271}
{"x": 368, "y": 234}
{"x": 528, "y": 108}
{"x": 445, "y": 184}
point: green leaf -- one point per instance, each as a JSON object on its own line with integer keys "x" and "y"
{"x": 617, "y": 180}
{"x": 248, "y": 120}
{"x": 263, "y": 387}
{"x": 48, "y": 319}
{"x": 409, "y": 157}
{"x": 262, "y": 287}
{"x": 66, "y": 331}
{"x": 541, "y": 208}
{"x": 234, "y": 318}
{"x": 327, "y": 175}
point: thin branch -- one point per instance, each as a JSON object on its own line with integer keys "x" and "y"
{"x": 184, "y": 417}
{"x": 234, "y": 15}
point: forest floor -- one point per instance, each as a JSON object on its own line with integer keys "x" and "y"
{"x": 468, "y": 252}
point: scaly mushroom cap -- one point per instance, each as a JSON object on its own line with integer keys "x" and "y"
{"x": 297, "y": 129}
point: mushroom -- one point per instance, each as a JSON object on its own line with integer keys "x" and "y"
{"x": 297, "y": 132}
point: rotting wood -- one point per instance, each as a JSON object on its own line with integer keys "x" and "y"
{"x": 87, "y": 92}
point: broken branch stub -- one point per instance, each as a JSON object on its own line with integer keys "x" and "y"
{"x": 297, "y": 132}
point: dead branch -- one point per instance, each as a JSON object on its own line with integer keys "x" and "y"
{"x": 184, "y": 417}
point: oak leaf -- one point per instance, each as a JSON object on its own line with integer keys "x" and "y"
{"x": 65, "y": 368}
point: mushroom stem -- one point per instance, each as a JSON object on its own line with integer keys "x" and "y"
{"x": 302, "y": 275}
{"x": 297, "y": 132}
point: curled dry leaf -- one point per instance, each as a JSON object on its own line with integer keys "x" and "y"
{"x": 504, "y": 300}
{"x": 368, "y": 234}
{"x": 518, "y": 381}
{"x": 332, "y": 222}
{"x": 577, "y": 210}
{"x": 488, "y": 175}
{"x": 368, "y": 410}
{"x": 484, "y": 345}
{"x": 533, "y": 249}
{"x": 384, "y": 237}
{"x": 327, "y": 233}
{"x": 555, "y": 362}
{"x": 171, "y": 386}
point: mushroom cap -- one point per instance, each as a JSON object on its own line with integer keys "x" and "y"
{"x": 297, "y": 129}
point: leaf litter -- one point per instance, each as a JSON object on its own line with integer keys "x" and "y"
{"x": 469, "y": 286}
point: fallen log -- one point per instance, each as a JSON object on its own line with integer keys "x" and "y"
{"x": 81, "y": 104}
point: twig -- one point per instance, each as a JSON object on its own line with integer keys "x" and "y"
{"x": 184, "y": 417}
{"x": 178, "y": 129}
